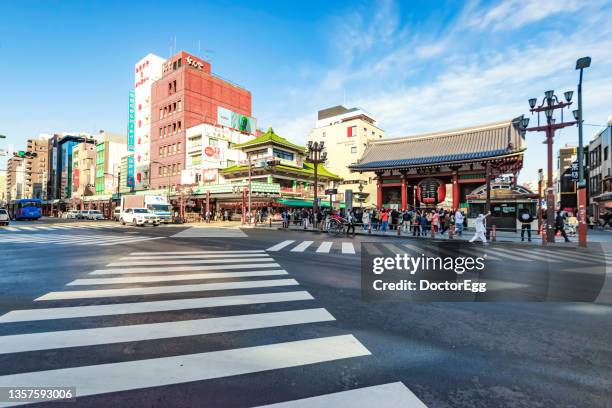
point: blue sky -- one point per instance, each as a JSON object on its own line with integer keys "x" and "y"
{"x": 417, "y": 66}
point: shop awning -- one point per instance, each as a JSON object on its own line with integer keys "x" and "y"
{"x": 292, "y": 202}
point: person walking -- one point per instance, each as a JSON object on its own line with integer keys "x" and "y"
{"x": 365, "y": 219}
{"x": 459, "y": 217}
{"x": 406, "y": 218}
{"x": 442, "y": 220}
{"x": 481, "y": 228}
{"x": 351, "y": 223}
{"x": 435, "y": 222}
{"x": 384, "y": 221}
{"x": 416, "y": 224}
{"x": 526, "y": 219}
{"x": 560, "y": 225}
{"x": 424, "y": 224}
{"x": 305, "y": 218}
{"x": 375, "y": 219}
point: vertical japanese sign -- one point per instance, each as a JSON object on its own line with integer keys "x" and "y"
{"x": 130, "y": 171}
{"x": 131, "y": 120}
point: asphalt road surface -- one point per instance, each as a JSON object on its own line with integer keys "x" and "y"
{"x": 224, "y": 317}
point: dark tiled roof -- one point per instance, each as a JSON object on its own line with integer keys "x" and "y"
{"x": 472, "y": 143}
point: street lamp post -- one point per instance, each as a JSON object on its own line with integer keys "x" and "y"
{"x": 316, "y": 155}
{"x": 550, "y": 103}
{"x": 581, "y": 64}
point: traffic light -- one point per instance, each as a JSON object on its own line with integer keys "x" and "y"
{"x": 27, "y": 155}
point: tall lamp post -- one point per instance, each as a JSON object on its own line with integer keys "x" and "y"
{"x": 550, "y": 103}
{"x": 581, "y": 64}
{"x": 316, "y": 155}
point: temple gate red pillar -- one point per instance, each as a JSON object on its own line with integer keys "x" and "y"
{"x": 404, "y": 192}
{"x": 456, "y": 201}
{"x": 379, "y": 193}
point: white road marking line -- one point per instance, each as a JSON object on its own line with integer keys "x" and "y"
{"x": 154, "y": 290}
{"x": 9, "y": 229}
{"x": 43, "y": 228}
{"x": 149, "y": 269}
{"x": 190, "y": 261}
{"x": 210, "y": 232}
{"x": 207, "y": 256}
{"x": 150, "y": 307}
{"x": 199, "y": 252}
{"x": 519, "y": 255}
{"x": 325, "y": 247}
{"x": 19, "y": 343}
{"x": 27, "y": 228}
{"x": 302, "y": 246}
{"x": 135, "y": 239}
{"x": 170, "y": 278}
{"x": 280, "y": 245}
{"x": 156, "y": 372}
{"x": 392, "y": 395}
{"x": 394, "y": 249}
{"x": 348, "y": 248}
{"x": 372, "y": 249}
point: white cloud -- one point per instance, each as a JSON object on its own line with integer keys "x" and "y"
{"x": 512, "y": 14}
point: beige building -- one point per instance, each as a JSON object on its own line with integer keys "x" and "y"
{"x": 15, "y": 171}
{"x": 2, "y": 188}
{"x": 83, "y": 170}
{"x": 36, "y": 168}
{"x": 346, "y": 133}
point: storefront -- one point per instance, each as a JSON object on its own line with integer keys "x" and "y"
{"x": 507, "y": 202}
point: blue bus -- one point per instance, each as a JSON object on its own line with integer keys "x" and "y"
{"x": 25, "y": 209}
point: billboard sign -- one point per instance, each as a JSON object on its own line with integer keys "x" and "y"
{"x": 209, "y": 175}
{"x": 212, "y": 152}
{"x": 233, "y": 120}
{"x": 130, "y": 171}
{"x": 131, "y": 120}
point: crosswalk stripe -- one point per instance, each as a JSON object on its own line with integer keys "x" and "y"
{"x": 128, "y": 240}
{"x": 155, "y": 372}
{"x": 199, "y": 252}
{"x": 118, "y": 334}
{"x": 154, "y": 290}
{"x": 26, "y": 228}
{"x": 392, "y": 395}
{"x": 302, "y": 246}
{"x": 281, "y": 245}
{"x": 325, "y": 247}
{"x": 518, "y": 255}
{"x": 505, "y": 255}
{"x": 183, "y": 268}
{"x": 150, "y": 307}
{"x": 43, "y": 228}
{"x": 170, "y": 278}
{"x": 348, "y": 248}
{"x": 189, "y": 261}
{"x": 10, "y": 229}
{"x": 207, "y": 256}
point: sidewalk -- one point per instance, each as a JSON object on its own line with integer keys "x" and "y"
{"x": 502, "y": 236}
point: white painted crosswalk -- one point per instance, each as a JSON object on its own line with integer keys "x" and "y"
{"x": 211, "y": 232}
{"x": 240, "y": 276}
{"x": 325, "y": 247}
{"x": 74, "y": 239}
{"x": 58, "y": 227}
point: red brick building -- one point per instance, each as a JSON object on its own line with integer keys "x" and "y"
{"x": 187, "y": 94}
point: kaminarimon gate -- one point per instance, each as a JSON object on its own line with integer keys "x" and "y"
{"x": 440, "y": 169}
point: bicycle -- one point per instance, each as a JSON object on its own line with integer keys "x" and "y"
{"x": 336, "y": 226}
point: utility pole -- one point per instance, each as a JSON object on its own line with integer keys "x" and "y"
{"x": 581, "y": 64}
{"x": 550, "y": 103}
{"x": 316, "y": 155}
{"x": 249, "y": 192}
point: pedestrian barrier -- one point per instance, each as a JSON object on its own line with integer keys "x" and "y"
{"x": 494, "y": 233}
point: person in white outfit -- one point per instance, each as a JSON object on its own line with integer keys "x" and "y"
{"x": 481, "y": 228}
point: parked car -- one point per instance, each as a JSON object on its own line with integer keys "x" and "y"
{"x": 72, "y": 214}
{"x": 93, "y": 215}
{"x": 139, "y": 216}
{"x": 4, "y": 217}
{"x": 117, "y": 214}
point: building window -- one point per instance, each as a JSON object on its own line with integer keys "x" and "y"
{"x": 213, "y": 142}
{"x": 354, "y": 150}
{"x": 324, "y": 134}
{"x": 180, "y": 102}
{"x": 178, "y": 147}
{"x": 281, "y": 154}
{"x": 159, "y": 171}
{"x": 605, "y": 153}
